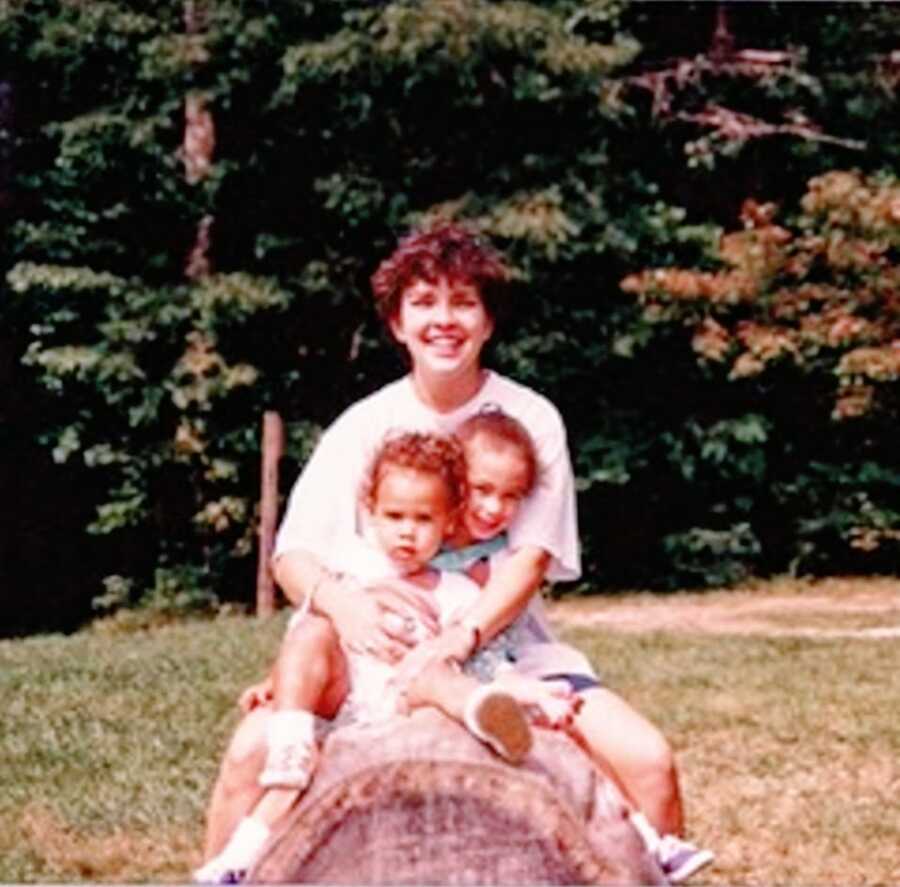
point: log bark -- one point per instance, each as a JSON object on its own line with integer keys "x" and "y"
{"x": 419, "y": 801}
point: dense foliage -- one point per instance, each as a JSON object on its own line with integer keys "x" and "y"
{"x": 803, "y": 325}
{"x": 161, "y": 291}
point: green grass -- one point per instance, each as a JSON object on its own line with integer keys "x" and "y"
{"x": 111, "y": 741}
{"x": 788, "y": 748}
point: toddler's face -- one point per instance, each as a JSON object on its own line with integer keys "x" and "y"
{"x": 411, "y": 516}
{"x": 499, "y": 479}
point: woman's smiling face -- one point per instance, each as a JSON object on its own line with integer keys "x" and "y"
{"x": 444, "y": 325}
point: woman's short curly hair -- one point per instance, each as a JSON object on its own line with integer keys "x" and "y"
{"x": 440, "y": 455}
{"x": 449, "y": 250}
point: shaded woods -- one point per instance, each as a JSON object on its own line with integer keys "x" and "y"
{"x": 194, "y": 194}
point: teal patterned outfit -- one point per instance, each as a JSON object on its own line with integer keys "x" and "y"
{"x": 501, "y": 649}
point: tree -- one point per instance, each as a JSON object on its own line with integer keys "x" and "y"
{"x": 590, "y": 140}
{"x": 805, "y": 322}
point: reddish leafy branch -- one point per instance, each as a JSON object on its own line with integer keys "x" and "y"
{"x": 824, "y": 296}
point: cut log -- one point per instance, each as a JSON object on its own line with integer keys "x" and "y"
{"x": 418, "y": 801}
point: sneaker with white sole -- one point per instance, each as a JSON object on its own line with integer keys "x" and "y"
{"x": 494, "y": 716}
{"x": 289, "y": 764}
{"x": 679, "y": 859}
{"x": 231, "y": 864}
{"x": 217, "y": 871}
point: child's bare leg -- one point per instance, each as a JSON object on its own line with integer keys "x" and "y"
{"x": 310, "y": 663}
{"x": 247, "y": 802}
{"x": 309, "y": 677}
{"x": 491, "y": 713}
{"x": 553, "y": 703}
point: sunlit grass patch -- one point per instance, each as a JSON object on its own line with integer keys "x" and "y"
{"x": 830, "y": 621}
{"x": 118, "y": 854}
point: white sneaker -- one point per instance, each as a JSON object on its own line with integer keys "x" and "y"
{"x": 218, "y": 871}
{"x": 289, "y": 764}
{"x": 680, "y": 859}
{"x": 291, "y": 743}
{"x": 495, "y": 717}
{"x": 237, "y": 857}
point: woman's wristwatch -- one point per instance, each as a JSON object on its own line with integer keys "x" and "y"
{"x": 326, "y": 576}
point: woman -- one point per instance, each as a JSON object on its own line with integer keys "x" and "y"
{"x": 440, "y": 295}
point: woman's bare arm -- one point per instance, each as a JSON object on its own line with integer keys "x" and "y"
{"x": 357, "y": 613}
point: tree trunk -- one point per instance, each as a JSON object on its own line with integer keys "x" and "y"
{"x": 419, "y": 801}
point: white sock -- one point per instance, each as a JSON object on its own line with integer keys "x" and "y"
{"x": 244, "y": 846}
{"x": 649, "y": 835}
{"x": 290, "y": 726}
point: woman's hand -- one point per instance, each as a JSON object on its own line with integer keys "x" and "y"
{"x": 383, "y": 620}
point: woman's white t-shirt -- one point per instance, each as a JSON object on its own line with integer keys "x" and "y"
{"x": 323, "y": 505}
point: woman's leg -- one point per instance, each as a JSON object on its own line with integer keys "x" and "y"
{"x": 237, "y": 791}
{"x": 623, "y": 743}
{"x": 621, "y": 740}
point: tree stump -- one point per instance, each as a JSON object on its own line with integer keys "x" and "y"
{"x": 418, "y": 801}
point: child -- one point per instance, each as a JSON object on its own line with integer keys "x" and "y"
{"x": 415, "y": 487}
{"x": 502, "y": 470}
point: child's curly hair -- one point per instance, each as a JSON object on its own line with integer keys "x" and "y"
{"x": 449, "y": 250}
{"x": 499, "y": 427}
{"x": 436, "y": 454}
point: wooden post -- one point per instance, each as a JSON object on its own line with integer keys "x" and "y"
{"x": 272, "y": 449}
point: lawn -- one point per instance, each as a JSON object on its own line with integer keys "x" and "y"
{"x": 109, "y": 745}
{"x": 788, "y": 746}
{"x": 789, "y": 749}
